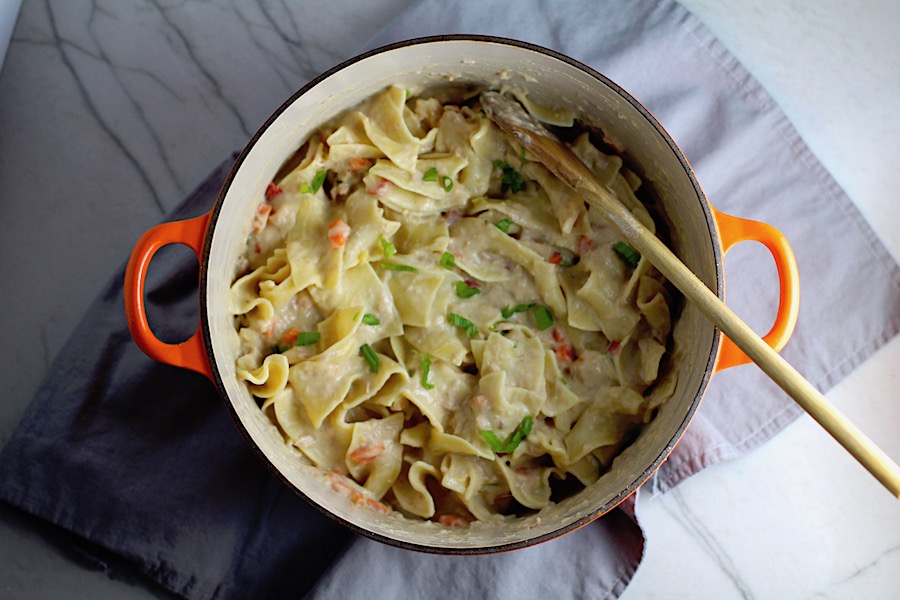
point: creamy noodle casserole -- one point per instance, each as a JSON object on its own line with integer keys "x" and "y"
{"x": 438, "y": 323}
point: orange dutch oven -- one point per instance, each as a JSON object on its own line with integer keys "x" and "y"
{"x": 702, "y": 235}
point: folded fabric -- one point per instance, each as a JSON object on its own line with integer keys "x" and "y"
{"x": 141, "y": 460}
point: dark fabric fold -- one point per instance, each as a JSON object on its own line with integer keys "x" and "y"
{"x": 143, "y": 460}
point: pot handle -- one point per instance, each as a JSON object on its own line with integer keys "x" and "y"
{"x": 190, "y": 354}
{"x": 733, "y": 230}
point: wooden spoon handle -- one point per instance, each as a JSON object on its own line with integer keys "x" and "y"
{"x": 560, "y": 160}
{"x": 779, "y": 370}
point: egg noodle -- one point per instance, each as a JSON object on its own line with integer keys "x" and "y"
{"x": 439, "y": 322}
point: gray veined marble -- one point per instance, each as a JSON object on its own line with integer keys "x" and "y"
{"x": 155, "y": 97}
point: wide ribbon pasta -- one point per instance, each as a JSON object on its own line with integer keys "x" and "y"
{"x": 426, "y": 312}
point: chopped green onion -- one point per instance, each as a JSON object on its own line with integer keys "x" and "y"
{"x": 318, "y": 180}
{"x": 370, "y": 357}
{"x": 507, "y": 312}
{"x": 448, "y": 261}
{"x": 316, "y": 184}
{"x": 628, "y": 254}
{"x": 432, "y": 175}
{"x": 511, "y": 179}
{"x": 463, "y": 323}
{"x": 370, "y": 319}
{"x": 426, "y": 368}
{"x": 463, "y": 290}
{"x": 543, "y": 317}
{"x": 564, "y": 257}
{"x": 394, "y": 267}
{"x": 307, "y": 338}
{"x": 493, "y": 441}
{"x": 520, "y": 433}
{"x": 387, "y": 247}
{"x": 497, "y": 327}
{"x": 277, "y": 349}
{"x": 503, "y": 225}
{"x": 516, "y": 438}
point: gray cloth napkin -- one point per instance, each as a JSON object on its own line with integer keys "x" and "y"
{"x": 140, "y": 462}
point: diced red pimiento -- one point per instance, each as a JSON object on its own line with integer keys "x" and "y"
{"x": 448, "y": 520}
{"x": 358, "y": 164}
{"x": 381, "y": 188}
{"x": 564, "y": 353}
{"x": 472, "y": 283}
{"x": 290, "y": 336}
{"x": 361, "y": 499}
{"x": 272, "y": 190}
{"x": 584, "y": 244}
{"x": 257, "y": 248}
{"x": 261, "y": 216}
{"x": 555, "y": 258}
{"x": 375, "y": 504}
{"x": 338, "y": 232}
{"x": 338, "y": 484}
{"x": 614, "y": 347}
{"x": 366, "y": 454}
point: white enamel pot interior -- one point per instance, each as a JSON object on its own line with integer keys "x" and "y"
{"x": 549, "y": 79}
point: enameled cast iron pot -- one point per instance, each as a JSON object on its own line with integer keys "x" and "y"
{"x": 701, "y": 235}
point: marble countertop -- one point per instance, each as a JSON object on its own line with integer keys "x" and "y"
{"x": 86, "y": 117}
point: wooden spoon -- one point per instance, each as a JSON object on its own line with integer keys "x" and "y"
{"x": 559, "y": 159}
